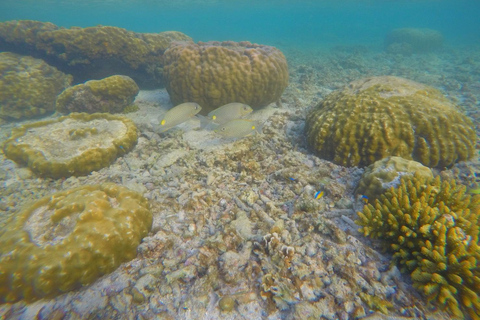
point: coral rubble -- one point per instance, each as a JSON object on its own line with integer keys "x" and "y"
{"x": 76, "y": 144}
{"x": 377, "y": 117}
{"x": 29, "y": 86}
{"x": 216, "y": 73}
{"x": 69, "y": 239}
{"x": 433, "y": 228}
{"x": 111, "y": 95}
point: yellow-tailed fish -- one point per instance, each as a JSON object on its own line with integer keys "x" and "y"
{"x": 239, "y": 128}
{"x": 178, "y": 114}
{"x": 226, "y": 113}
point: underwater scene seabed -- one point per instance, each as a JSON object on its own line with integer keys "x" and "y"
{"x": 149, "y": 176}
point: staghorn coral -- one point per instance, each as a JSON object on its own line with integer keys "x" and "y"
{"x": 216, "y": 73}
{"x": 76, "y": 144}
{"x": 67, "y": 240}
{"x": 377, "y": 117}
{"x": 112, "y": 95}
{"x": 386, "y": 173}
{"x": 94, "y": 52}
{"x": 433, "y": 228}
{"x": 29, "y": 86}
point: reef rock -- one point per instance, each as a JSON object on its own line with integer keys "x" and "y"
{"x": 112, "y": 95}
{"x": 94, "y": 52}
{"x": 76, "y": 144}
{"x": 377, "y": 117}
{"x": 70, "y": 238}
{"x": 29, "y": 86}
{"x": 216, "y": 73}
{"x": 412, "y": 40}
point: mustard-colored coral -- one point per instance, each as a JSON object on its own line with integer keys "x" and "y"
{"x": 69, "y": 239}
{"x": 76, "y": 144}
{"x": 433, "y": 228}
{"x": 216, "y": 73}
{"x": 94, "y": 52}
{"x": 112, "y": 95}
{"x": 377, "y": 117}
{"x": 29, "y": 86}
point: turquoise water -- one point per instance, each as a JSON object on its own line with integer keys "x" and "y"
{"x": 298, "y": 23}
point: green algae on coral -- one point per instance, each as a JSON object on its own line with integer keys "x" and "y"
{"x": 29, "y": 86}
{"x": 76, "y": 144}
{"x": 377, "y": 117}
{"x": 433, "y": 228}
{"x": 69, "y": 239}
{"x": 112, "y": 95}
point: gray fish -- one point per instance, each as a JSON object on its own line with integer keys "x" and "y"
{"x": 239, "y": 128}
{"x": 225, "y": 113}
{"x": 178, "y": 114}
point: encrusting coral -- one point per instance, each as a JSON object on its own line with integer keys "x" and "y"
{"x": 29, "y": 86}
{"x": 216, "y": 73}
{"x": 112, "y": 95}
{"x": 433, "y": 228}
{"x": 377, "y": 117}
{"x": 76, "y": 144}
{"x": 67, "y": 240}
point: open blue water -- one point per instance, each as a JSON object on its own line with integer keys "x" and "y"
{"x": 297, "y": 23}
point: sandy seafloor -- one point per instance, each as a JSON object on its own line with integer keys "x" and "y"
{"x": 216, "y": 205}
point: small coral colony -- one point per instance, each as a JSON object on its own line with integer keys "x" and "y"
{"x": 395, "y": 128}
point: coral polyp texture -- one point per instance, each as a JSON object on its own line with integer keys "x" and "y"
{"x": 67, "y": 240}
{"x": 94, "y": 52}
{"x": 112, "y": 95}
{"x": 433, "y": 227}
{"x": 386, "y": 173}
{"x": 29, "y": 86}
{"x": 216, "y": 73}
{"x": 76, "y": 144}
{"x": 377, "y": 117}
{"x": 413, "y": 40}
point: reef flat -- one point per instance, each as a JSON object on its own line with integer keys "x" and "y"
{"x": 237, "y": 230}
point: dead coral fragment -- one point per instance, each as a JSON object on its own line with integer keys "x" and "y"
{"x": 433, "y": 228}
{"x": 72, "y": 145}
{"x": 377, "y": 117}
{"x": 69, "y": 239}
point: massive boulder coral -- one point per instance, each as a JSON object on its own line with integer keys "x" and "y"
{"x": 216, "y": 73}
{"x": 413, "y": 40}
{"x": 377, "y": 117}
{"x": 69, "y": 239}
{"x": 433, "y": 228}
{"x": 94, "y": 52}
{"x": 29, "y": 86}
{"x": 112, "y": 95}
{"x": 76, "y": 144}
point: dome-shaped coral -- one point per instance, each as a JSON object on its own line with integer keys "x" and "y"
{"x": 386, "y": 173}
{"x": 216, "y": 73}
{"x": 112, "y": 94}
{"x": 433, "y": 227}
{"x": 76, "y": 144}
{"x": 29, "y": 86}
{"x": 377, "y": 117}
{"x": 413, "y": 40}
{"x": 69, "y": 239}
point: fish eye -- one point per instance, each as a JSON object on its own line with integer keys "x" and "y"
{"x": 223, "y": 129}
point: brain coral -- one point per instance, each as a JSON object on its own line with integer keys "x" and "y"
{"x": 112, "y": 94}
{"x": 69, "y": 239}
{"x": 433, "y": 227}
{"x": 29, "y": 86}
{"x": 413, "y": 40}
{"x": 216, "y": 73}
{"x": 386, "y": 173}
{"x": 94, "y": 52}
{"x": 76, "y": 144}
{"x": 377, "y": 117}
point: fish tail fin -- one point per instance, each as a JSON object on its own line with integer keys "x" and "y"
{"x": 204, "y": 121}
{"x": 259, "y": 126}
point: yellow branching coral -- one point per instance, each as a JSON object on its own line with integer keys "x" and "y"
{"x": 377, "y": 117}
{"x": 433, "y": 228}
{"x": 216, "y": 73}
